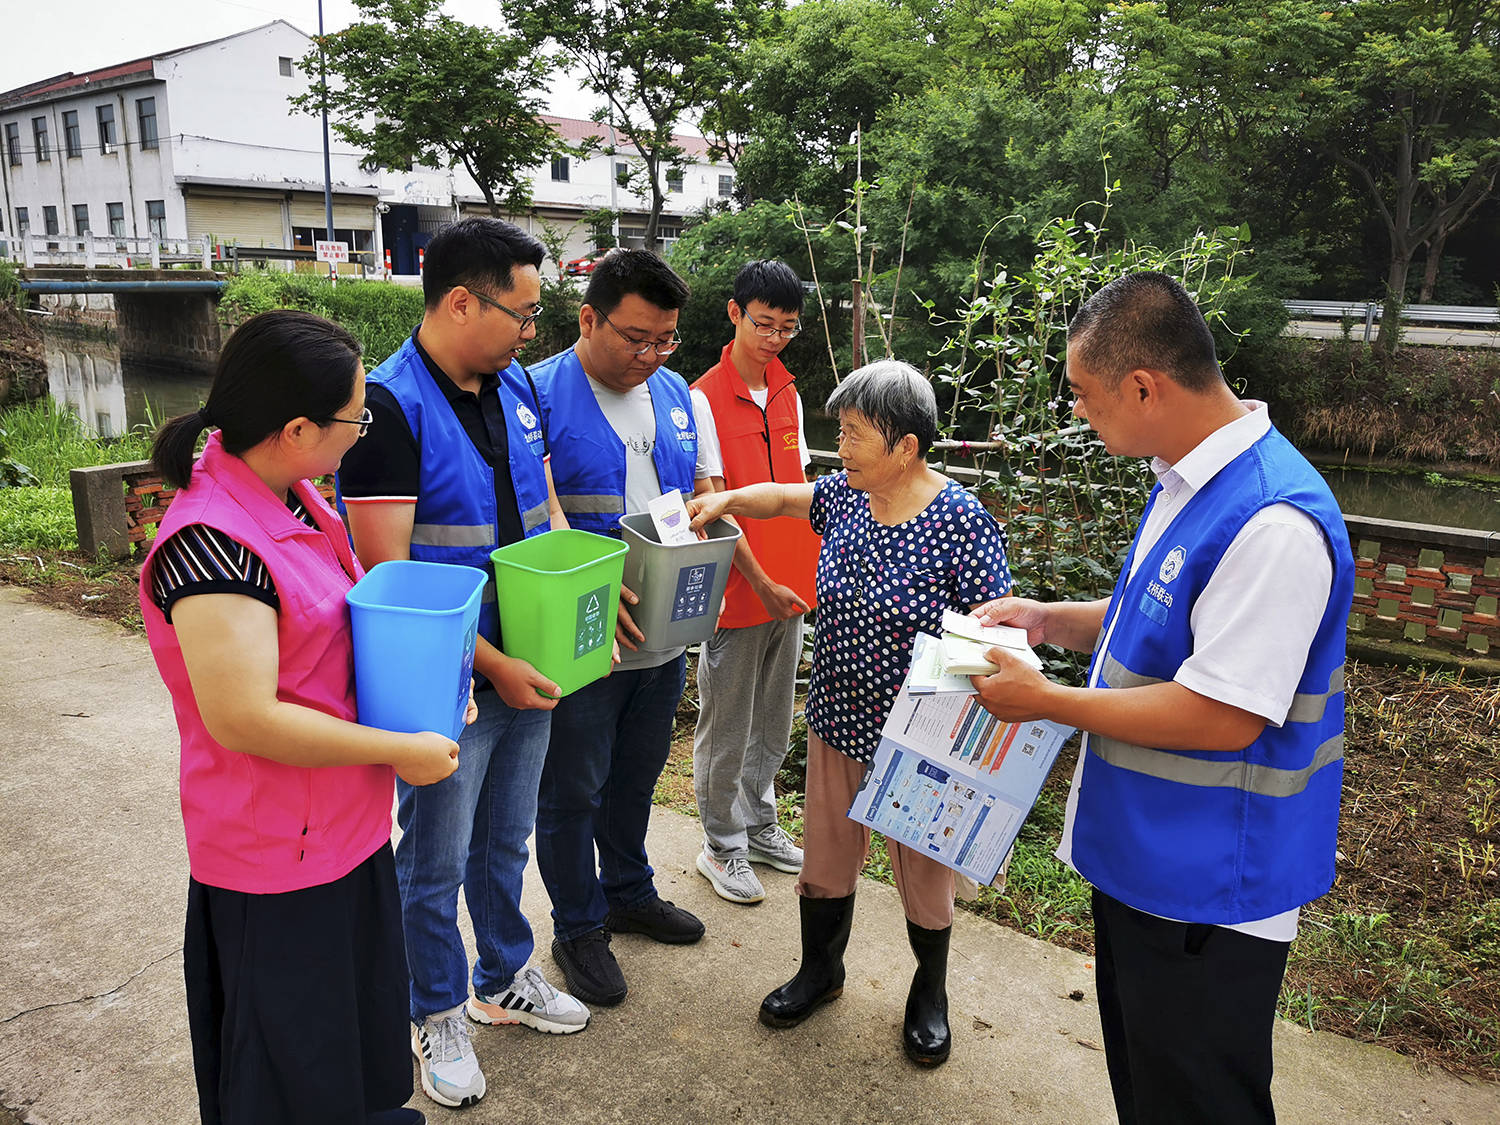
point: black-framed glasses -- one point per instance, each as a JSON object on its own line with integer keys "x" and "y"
{"x": 363, "y": 421}
{"x": 643, "y": 346}
{"x": 526, "y": 319}
{"x": 768, "y": 331}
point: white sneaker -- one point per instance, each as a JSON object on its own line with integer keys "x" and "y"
{"x": 450, "y": 1069}
{"x": 529, "y": 999}
{"x": 774, "y": 847}
{"x": 731, "y": 879}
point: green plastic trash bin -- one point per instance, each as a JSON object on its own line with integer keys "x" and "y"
{"x": 557, "y": 594}
{"x": 680, "y": 585}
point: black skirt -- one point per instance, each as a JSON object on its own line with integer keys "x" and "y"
{"x": 297, "y": 1002}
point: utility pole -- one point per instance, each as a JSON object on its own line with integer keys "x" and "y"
{"x": 327, "y": 168}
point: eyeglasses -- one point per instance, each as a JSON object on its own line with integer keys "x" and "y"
{"x": 768, "y": 331}
{"x": 363, "y": 421}
{"x": 526, "y": 319}
{"x": 643, "y": 346}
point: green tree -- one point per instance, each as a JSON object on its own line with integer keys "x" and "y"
{"x": 825, "y": 74}
{"x": 1404, "y": 96}
{"x": 411, "y": 85}
{"x": 655, "y": 63}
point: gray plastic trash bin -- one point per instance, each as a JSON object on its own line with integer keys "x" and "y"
{"x": 681, "y": 586}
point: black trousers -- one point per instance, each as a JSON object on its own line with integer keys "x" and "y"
{"x": 1187, "y": 1011}
{"x": 297, "y": 1001}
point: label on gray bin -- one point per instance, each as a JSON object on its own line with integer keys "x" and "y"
{"x": 592, "y": 628}
{"x": 694, "y": 585}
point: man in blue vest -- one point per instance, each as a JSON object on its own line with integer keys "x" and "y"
{"x": 455, "y": 465}
{"x": 1204, "y": 809}
{"x": 622, "y": 433}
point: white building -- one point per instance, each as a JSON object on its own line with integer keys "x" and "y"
{"x": 202, "y": 141}
{"x": 199, "y": 141}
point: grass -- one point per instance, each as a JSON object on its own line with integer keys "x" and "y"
{"x": 50, "y": 442}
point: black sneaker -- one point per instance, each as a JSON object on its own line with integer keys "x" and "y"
{"x": 659, "y": 920}
{"x": 592, "y": 973}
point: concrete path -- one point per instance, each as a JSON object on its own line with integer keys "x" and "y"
{"x": 92, "y": 1025}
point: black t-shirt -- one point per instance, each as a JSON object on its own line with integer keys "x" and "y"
{"x": 386, "y": 464}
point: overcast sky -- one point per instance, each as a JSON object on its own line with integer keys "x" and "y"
{"x": 43, "y": 39}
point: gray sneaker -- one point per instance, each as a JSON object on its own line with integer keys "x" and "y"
{"x": 529, "y": 999}
{"x": 772, "y": 846}
{"x": 731, "y": 879}
{"x": 450, "y": 1069}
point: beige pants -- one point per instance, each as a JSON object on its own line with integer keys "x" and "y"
{"x": 835, "y": 846}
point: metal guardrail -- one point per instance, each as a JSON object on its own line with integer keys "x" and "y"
{"x": 1369, "y": 312}
{"x": 91, "y": 250}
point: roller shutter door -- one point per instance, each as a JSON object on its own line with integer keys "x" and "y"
{"x": 247, "y": 220}
{"x": 359, "y": 214}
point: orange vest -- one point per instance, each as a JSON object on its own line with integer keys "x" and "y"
{"x": 761, "y": 446}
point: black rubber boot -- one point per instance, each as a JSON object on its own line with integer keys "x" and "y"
{"x": 825, "y": 935}
{"x": 925, "y": 1033}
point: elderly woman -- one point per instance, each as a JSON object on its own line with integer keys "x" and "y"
{"x": 901, "y": 543}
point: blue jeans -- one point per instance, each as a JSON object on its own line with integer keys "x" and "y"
{"x": 470, "y": 829}
{"x": 609, "y": 743}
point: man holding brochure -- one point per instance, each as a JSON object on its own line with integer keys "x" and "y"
{"x": 622, "y": 433}
{"x": 1204, "y": 809}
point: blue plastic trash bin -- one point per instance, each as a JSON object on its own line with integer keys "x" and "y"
{"x": 415, "y": 625}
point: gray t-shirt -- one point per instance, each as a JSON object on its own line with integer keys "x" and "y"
{"x": 631, "y": 416}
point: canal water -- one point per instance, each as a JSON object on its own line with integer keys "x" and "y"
{"x": 86, "y": 376}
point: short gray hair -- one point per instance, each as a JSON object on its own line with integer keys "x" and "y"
{"x": 895, "y": 397}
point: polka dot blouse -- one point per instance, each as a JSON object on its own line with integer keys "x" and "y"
{"x": 877, "y": 587}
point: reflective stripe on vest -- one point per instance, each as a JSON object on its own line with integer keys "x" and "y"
{"x": 453, "y": 535}
{"x": 605, "y": 504}
{"x": 1306, "y": 707}
{"x": 535, "y": 516}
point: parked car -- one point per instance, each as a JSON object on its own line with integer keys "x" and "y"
{"x": 582, "y": 267}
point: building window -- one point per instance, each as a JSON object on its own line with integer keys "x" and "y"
{"x": 80, "y": 218}
{"x": 13, "y": 141}
{"x": 674, "y": 179}
{"x": 307, "y": 238}
{"x": 116, "y": 218}
{"x": 726, "y": 186}
{"x": 107, "y": 141}
{"x": 39, "y": 135}
{"x": 49, "y": 219}
{"x": 156, "y": 217}
{"x": 23, "y": 220}
{"x": 560, "y": 168}
{"x": 72, "y": 136}
{"x": 145, "y": 111}
{"x": 622, "y": 173}
{"x": 286, "y": 66}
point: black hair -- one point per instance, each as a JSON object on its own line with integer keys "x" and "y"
{"x": 1145, "y": 320}
{"x": 622, "y": 272}
{"x": 771, "y": 281}
{"x": 477, "y": 253}
{"x": 280, "y": 365}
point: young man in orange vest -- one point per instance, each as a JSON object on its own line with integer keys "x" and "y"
{"x": 749, "y": 420}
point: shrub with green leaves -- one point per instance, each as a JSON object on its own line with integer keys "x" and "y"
{"x": 37, "y": 519}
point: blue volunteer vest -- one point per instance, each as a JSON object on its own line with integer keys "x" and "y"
{"x": 588, "y": 459}
{"x": 455, "y": 520}
{"x": 1211, "y": 837}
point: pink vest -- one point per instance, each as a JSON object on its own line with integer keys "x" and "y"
{"x": 252, "y": 824}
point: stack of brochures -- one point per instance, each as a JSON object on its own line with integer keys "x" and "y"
{"x": 965, "y": 641}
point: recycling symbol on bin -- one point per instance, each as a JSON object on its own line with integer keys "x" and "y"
{"x": 593, "y": 606}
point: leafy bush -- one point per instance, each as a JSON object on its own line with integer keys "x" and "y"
{"x": 379, "y": 314}
{"x": 51, "y": 441}
{"x": 37, "y": 519}
{"x": 10, "y": 284}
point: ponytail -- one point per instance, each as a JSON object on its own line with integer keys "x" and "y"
{"x": 176, "y": 442}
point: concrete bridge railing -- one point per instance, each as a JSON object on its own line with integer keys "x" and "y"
{"x": 90, "y": 250}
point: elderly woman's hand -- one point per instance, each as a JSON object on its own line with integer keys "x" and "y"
{"x": 707, "y": 507}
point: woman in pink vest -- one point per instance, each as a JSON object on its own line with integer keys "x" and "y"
{"x": 295, "y": 963}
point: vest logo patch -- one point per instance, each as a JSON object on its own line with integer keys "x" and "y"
{"x": 789, "y": 440}
{"x": 679, "y": 418}
{"x": 527, "y": 418}
{"x": 1171, "y": 566}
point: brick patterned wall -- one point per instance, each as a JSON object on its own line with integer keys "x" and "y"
{"x": 1428, "y": 585}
